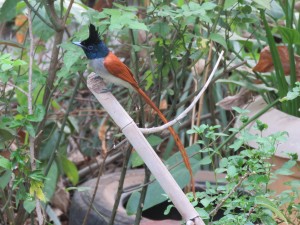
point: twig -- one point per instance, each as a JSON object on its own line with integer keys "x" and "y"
{"x": 189, "y": 108}
{"x": 55, "y": 20}
{"x": 68, "y": 11}
{"x": 226, "y": 71}
{"x": 199, "y": 112}
{"x": 38, "y": 14}
{"x": 14, "y": 86}
{"x": 216, "y": 209}
{"x": 96, "y": 187}
{"x": 30, "y": 112}
{"x": 138, "y": 216}
{"x": 53, "y": 153}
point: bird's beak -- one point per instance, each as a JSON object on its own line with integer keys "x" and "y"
{"x": 78, "y": 43}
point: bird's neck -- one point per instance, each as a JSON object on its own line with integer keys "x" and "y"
{"x": 102, "y": 50}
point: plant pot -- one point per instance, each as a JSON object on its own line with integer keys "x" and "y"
{"x": 277, "y": 121}
{"x": 105, "y": 199}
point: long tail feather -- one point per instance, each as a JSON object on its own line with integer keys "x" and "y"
{"x": 173, "y": 133}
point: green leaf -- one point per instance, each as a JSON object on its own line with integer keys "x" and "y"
{"x": 80, "y": 189}
{"x": 8, "y": 10}
{"x": 284, "y": 171}
{"x": 5, "y": 163}
{"x": 50, "y": 142}
{"x": 37, "y": 175}
{"x": 6, "y": 134}
{"x": 71, "y": 57}
{"x": 30, "y": 129}
{"x": 205, "y": 161}
{"x": 290, "y": 36}
{"x": 5, "y": 178}
{"x": 136, "y": 160}
{"x": 208, "y": 6}
{"x": 38, "y": 115}
{"x": 237, "y": 144}
{"x": 161, "y": 29}
{"x": 232, "y": 171}
{"x": 289, "y": 164}
{"x": 264, "y": 202}
{"x": 223, "y": 162}
{"x": 219, "y": 39}
{"x": 265, "y": 4}
{"x": 133, "y": 203}
{"x": 138, "y": 26}
{"x": 6, "y": 66}
{"x": 168, "y": 209}
{"x": 155, "y": 194}
{"x": 180, "y": 3}
{"x": 240, "y": 110}
{"x": 154, "y": 140}
{"x": 70, "y": 170}
{"x": 202, "y": 213}
{"x": 51, "y": 181}
{"x": 29, "y": 205}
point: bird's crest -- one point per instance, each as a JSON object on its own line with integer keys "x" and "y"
{"x": 94, "y": 36}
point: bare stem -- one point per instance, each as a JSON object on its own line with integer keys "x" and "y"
{"x": 30, "y": 112}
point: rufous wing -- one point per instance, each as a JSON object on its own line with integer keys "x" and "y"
{"x": 118, "y": 69}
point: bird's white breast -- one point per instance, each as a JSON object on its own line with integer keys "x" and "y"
{"x": 98, "y": 66}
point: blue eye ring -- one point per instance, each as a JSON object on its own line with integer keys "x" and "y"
{"x": 90, "y": 47}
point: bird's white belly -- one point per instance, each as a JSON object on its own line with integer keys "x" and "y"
{"x": 98, "y": 67}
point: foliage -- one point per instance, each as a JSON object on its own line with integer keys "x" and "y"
{"x": 243, "y": 195}
{"x": 162, "y": 42}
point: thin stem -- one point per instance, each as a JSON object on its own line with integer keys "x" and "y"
{"x": 142, "y": 197}
{"x": 95, "y": 190}
{"x": 216, "y": 209}
{"x": 52, "y": 156}
{"x": 264, "y": 110}
{"x": 30, "y": 112}
{"x": 120, "y": 187}
{"x": 38, "y": 14}
{"x": 15, "y": 86}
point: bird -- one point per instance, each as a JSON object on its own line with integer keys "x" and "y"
{"x": 112, "y": 70}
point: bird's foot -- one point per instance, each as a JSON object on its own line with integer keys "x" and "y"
{"x": 107, "y": 89}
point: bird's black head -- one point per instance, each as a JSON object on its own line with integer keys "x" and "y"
{"x": 93, "y": 47}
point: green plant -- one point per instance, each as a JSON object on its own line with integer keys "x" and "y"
{"x": 243, "y": 196}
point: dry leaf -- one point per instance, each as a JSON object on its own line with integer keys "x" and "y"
{"x": 76, "y": 157}
{"x": 102, "y": 135}
{"x": 238, "y": 100}
{"x": 21, "y": 33}
{"x": 198, "y": 67}
{"x": 265, "y": 63}
{"x": 61, "y": 197}
{"x": 101, "y": 4}
{"x": 163, "y": 104}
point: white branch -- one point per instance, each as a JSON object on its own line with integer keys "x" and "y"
{"x": 189, "y": 108}
{"x": 143, "y": 148}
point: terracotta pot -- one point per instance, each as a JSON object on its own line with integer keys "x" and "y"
{"x": 277, "y": 121}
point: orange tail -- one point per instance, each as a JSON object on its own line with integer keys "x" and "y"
{"x": 173, "y": 133}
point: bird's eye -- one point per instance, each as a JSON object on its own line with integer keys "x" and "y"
{"x": 90, "y": 47}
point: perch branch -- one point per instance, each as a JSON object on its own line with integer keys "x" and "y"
{"x": 143, "y": 148}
